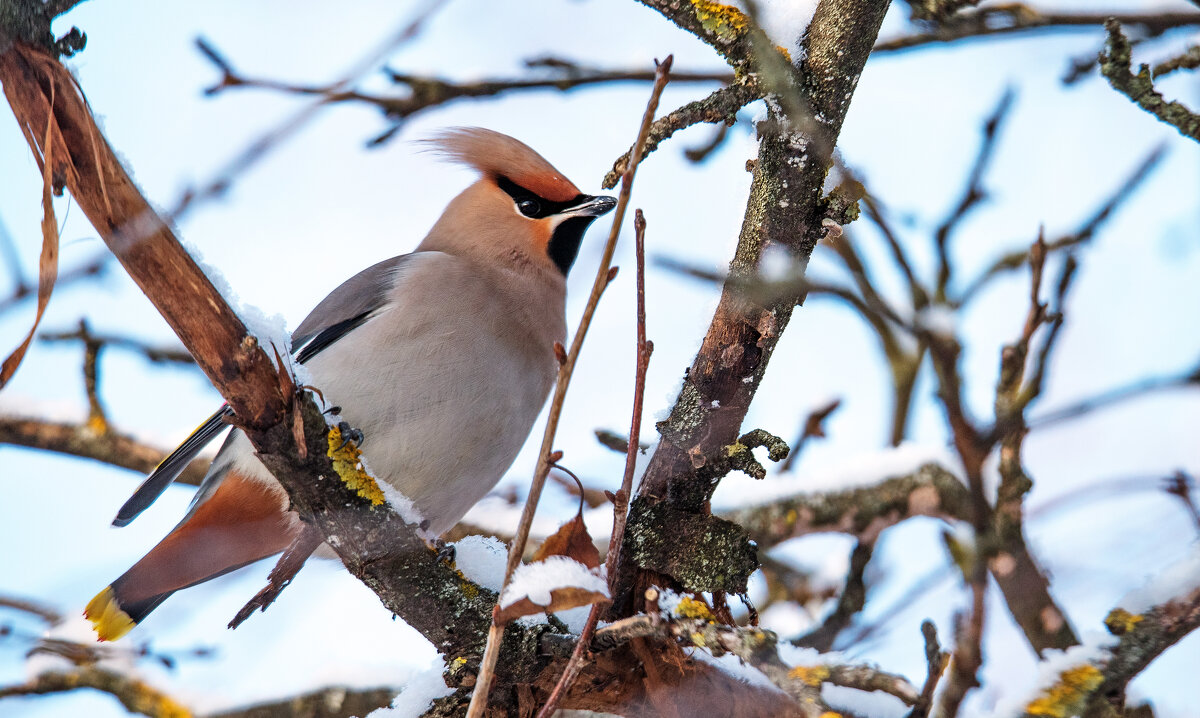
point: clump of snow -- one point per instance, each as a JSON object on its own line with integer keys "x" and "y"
{"x": 481, "y": 559}
{"x": 785, "y": 22}
{"x": 422, "y": 690}
{"x": 859, "y": 471}
{"x": 1172, "y": 582}
{"x": 863, "y": 703}
{"x": 268, "y": 330}
{"x": 536, "y": 580}
{"x": 937, "y": 319}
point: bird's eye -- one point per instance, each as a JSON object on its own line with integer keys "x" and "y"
{"x": 529, "y": 207}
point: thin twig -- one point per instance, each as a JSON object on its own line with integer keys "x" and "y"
{"x": 1088, "y": 230}
{"x": 1114, "y": 396}
{"x": 974, "y": 193}
{"x": 1014, "y": 18}
{"x": 566, "y": 369}
{"x": 41, "y": 610}
{"x": 813, "y": 428}
{"x": 621, "y": 499}
{"x": 158, "y": 355}
{"x": 259, "y": 148}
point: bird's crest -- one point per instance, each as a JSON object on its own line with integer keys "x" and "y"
{"x": 497, "y": 155}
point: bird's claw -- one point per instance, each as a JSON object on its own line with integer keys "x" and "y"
{"x": 349, "y": 433}
{"x": 445, "y": 551}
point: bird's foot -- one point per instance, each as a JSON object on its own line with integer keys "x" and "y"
{"x": 349, "y": 433}
{"x": 445, "y": 551}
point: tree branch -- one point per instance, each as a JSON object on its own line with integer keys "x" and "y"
{"x": 1115, "y": 64}
{"x": 82, "y": 441}
{"x": 1014, "y": 18}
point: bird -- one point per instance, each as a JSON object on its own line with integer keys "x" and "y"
{"x": 442, "y": 358}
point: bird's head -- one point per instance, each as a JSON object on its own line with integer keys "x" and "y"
{"x": 522, "y": 207}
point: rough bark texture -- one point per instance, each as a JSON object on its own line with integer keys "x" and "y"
{"x": 785, "y": 208}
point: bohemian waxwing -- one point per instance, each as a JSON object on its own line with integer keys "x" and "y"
{"x": 453, "y": 340}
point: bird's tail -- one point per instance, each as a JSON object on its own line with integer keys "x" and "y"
{"x": 243, "y": 521}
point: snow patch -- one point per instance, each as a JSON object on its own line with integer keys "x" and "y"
{"x": 863, "y": 703}
{"x": 422, "y": 690}
{"x": 1174, "y": 581}
{"x": 536, "y": 580}
{"x": 482, "y": 560}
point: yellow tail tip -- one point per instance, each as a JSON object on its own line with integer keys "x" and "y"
{"x": 107, "y": 617}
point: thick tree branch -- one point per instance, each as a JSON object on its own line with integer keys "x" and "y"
{"x": 784, "y": 207}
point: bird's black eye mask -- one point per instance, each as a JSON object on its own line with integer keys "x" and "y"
{"x": 533, "y": 206}
{"x": 564, "y": 243}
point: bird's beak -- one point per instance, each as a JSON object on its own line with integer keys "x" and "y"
{"x": 592, "y": 207}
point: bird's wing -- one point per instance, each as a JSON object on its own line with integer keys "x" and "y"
{"x": 346, "y": 308}
{"x": 170, "y": 468}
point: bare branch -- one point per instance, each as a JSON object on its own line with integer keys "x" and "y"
{"x": 82, "y": 441}
{"x": 1088, "y": 230}
{"x": 42, "y": 611}
{"x": 479, "y": 696}
{"x": 1115, "y": 65}
{"x": 1015, "y": 18}
{"x": 721, "y": 106}
{"x": 974, "y": 193}
{"x": 136, "y": 696}
{"x": 1189, "y": 59}
{"x": 425, "y": 92}
{"x": 863, "y": 512}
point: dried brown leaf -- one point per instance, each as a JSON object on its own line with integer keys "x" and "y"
{"x": 48, "y": 262}
{"x": 561, "y": 599}
{"x": 573, "y": 541}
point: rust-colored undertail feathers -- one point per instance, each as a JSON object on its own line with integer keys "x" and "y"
{"x": 497, "y": 155}
{"x": 243, "y": 521}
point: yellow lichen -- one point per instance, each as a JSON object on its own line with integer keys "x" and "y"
{"x": 812, "y": 675}
{"x": 792, "y": 517}
{"x": 691, "y": 608}
{"x": 1069, "y": 695}
{"x": 831, "y": 714}
{"x": 347, "y": 462}
{"x": 1119, "y": 621}
{"x": 697, "y": 639}
{"x": 784, "y": 51}
{"x": 457, "y": 665}
{"x": 721, "y": 19}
